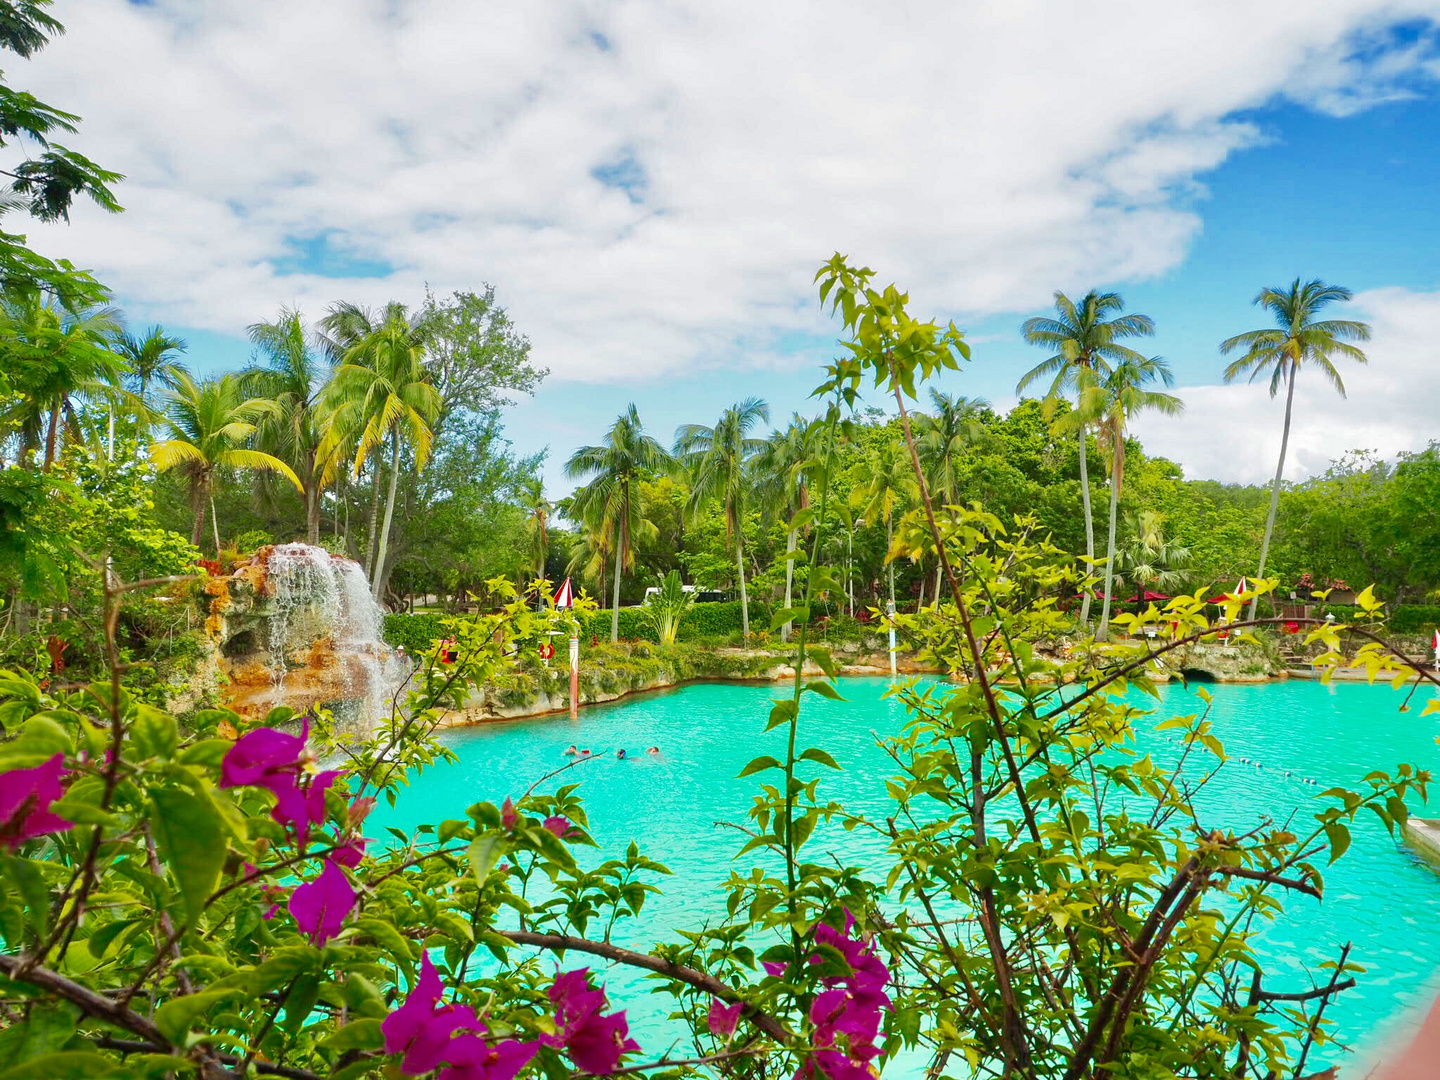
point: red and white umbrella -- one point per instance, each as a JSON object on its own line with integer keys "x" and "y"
{"x": 1435, "y": 645}
{"x": 565, "y": 598}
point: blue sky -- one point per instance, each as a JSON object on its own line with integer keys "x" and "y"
{"x": 650, "y": 187}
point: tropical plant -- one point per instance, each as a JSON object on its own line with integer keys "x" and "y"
{"x": 537, "y": 523}
{"x": 1149, "y": 559}
{"x": 52, "y": 356}
{"x": 294, "y": 379}
{"x": 1084, "y": 341}
{"x": 783, "y": 490}
{"x": 609, "y": 504}
{"x": 381, "y": 392}
{"x": 667, "y": 608}
{"x": 152, "y": 360}
{"x": 1297, "y": 338}
{"x": 210, "y": 424}
{"x": 955, "y": 423}
{"x": 1107, "y": 401}
{"x": 889, "y": 489}
{"x": 717, "y": 460}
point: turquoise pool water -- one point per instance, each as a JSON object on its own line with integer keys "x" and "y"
{"x": 1380, "y": 896}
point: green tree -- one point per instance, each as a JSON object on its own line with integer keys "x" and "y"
{"x": 1150, "y": 559}
{"x": 1108, "y": 401}
{"x": 1297, "y": 338}
{"x": 717, "y": 460}
{"x": 537, "y": 523}
{"x": 889, "y": 488}
{"x": 53, "y": 355}
{"x": 782, "y": 487}
{"x": 382, "y": 393}
{"x": 956, "y": 423}
{"x": 152, "y": 360}
{"x": 1084, "y": 341}
{"x": 609, "y": 504}
{"x": 210, "y": 423}
{"x": 294, "y": 379}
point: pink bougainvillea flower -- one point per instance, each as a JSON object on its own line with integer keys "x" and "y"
{"x": 25, "y": 798}
{"x": 469, "y": 1057}
{"x": 360, "y": 809}
{"x": 350, "y": 851}
{"x": 508, "y": 817}
{"x": 846, "y": 1015}
{"x": 320, "y": 906}
{"x": 774, "y": 967}
{"x": 274, "y": 893}
{"x": 557, "y": 825}
{"x": 259, "y": 755}
{"x": 300, "y": 801}
{"x": 422, "y": 1031}
{"x": 594, "y": 1042}
{"x": 723, "y": 1018}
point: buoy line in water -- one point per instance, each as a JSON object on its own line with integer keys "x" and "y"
{"x": 1286, "y": 772}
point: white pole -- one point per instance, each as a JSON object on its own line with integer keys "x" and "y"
{"x": 574, "y": 674}
{"x": 890, "y": 618}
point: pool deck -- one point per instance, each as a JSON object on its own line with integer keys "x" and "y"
{"x": 1424, "y": 836}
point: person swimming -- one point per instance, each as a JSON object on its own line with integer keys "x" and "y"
{"x": 620, "y": 753}
{"x": 653, "y": 751}
{"x": 570, "y": 751}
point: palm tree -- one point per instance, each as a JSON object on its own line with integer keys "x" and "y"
{"x": 1083, "y": 340}
{"x": 294, "y": 379}
{"x": 718, "y": 460}
{"x": 153, "y": 359}
{"x": 890, "y": 487}
{"x": 781, "y": 467}
{"x": 1295, "y": 339}
{"x": 211, "y": 422}
{"x": 537, "y": 515}
{"x": 52, "y": 356}
{"x": 610, "y": 502}
{"x": 382, "y": 393}
{"x": 1150, "y": 559}
{"x": 957, "y": 422}
{"x": 1108, "y": 401}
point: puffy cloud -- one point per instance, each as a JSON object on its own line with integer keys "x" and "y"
{"x": 651, "y": 185}
{"x": 1233, "y": 432}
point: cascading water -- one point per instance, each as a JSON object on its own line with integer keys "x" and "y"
{"x": 310, "y": 636}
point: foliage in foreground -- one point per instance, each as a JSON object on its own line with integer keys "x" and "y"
{"x": 1050, "y": 903}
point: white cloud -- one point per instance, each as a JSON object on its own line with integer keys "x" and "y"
{"x": 982, "y": 154}
{"x": 1232, "y": 432}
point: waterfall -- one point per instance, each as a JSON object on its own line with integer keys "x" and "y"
{"x": 311, "y": 636}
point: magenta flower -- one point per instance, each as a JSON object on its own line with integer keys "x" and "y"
{"x": 557, "y": 825}
{"x": 421, "y": 1031}
{"x": 25, "y": 798}
{"x": 594, "y": 1042}
{"x": 320, "y": 906}
{"x": 273, "y": 893}
{"x": 260, "y": 755}
{"x": 723, "y": 1018}
{"x": 846, "y": 1015}
{"x": 774, "y": 967}
{"x": 300, "y": 801}
{"x": 508, "y": 817}
{"x": 350, "y": 851}
{"x": 469, "y": 1057}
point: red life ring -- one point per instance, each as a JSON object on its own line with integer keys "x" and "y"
{"x": 547, "y": 651}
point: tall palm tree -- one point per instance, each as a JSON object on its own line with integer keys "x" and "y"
{"x": 153, "y": 360}
{"x": 210, "y": 423}
{"x": 1150, "y": 558}
{"x": 294, "y": 378}
{"x": 610, "y": 502}
{"x": 1295, "y": 339}
{"x": 537, "y": 519}
{"x": 890, "y": 487}
{"x": 955, "y": 423}
{"x": 1084, "y": 337}
{"x": 718, "y": 460}
{"x": 1108, "y": 400}
{"x": 54, "y": 355}
{"x": 381, "y": 393}
{"x": 781, "y": 468}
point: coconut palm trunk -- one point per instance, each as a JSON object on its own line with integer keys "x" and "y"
{"x": 744, "y": 600}
{"x": 384, "y": 537}
{"x": 312, "y": 511}
{"x": 939, "y": 568}
{"x": 197, "y": 503}
{"x": 615, "y": 605}
{"x": 374, "y": 517}
{"x": 1089, "y": 525}
{"x": 1103, "y": 634}
{"x": 52, "y": 438}
{"x": 790, "y": 542}
{"x": 215, "y": 522}
{"x": 1275, "y": 487}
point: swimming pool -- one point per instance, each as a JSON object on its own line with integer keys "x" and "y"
{"x": 1379, "y": 896}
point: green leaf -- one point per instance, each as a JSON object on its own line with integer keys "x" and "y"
{"x": 25, "y": 877}
{"x": 760, "y": 764}
{"x": 388, "y": 938}
{"x": 206, "y": 752}
{"x": 44, "y": 1031}
{"x": 66, "y": 1065}
{"x": 356, "y": 1035}
{"x": 192, "y": 839}
{"x": 1339, "y": 837}
{"x": 155, "y": 732}
{"x": 483, "y": 852}
{"x": 816, "y": 754}
{"x": 177, "y": 1016}
{"x": 300, "y": 1001}
{"x": 824, "y": 689}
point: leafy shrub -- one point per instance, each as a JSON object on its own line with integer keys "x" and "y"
{"x": 1415, "y": 619}
{"x": 415, "y": 633}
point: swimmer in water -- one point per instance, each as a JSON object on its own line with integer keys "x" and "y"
{"x": 620, "y": 753}
{"x": 654, "y": 751}
{"x": 570, "y": 751}
{"x": 584, "y": 753}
